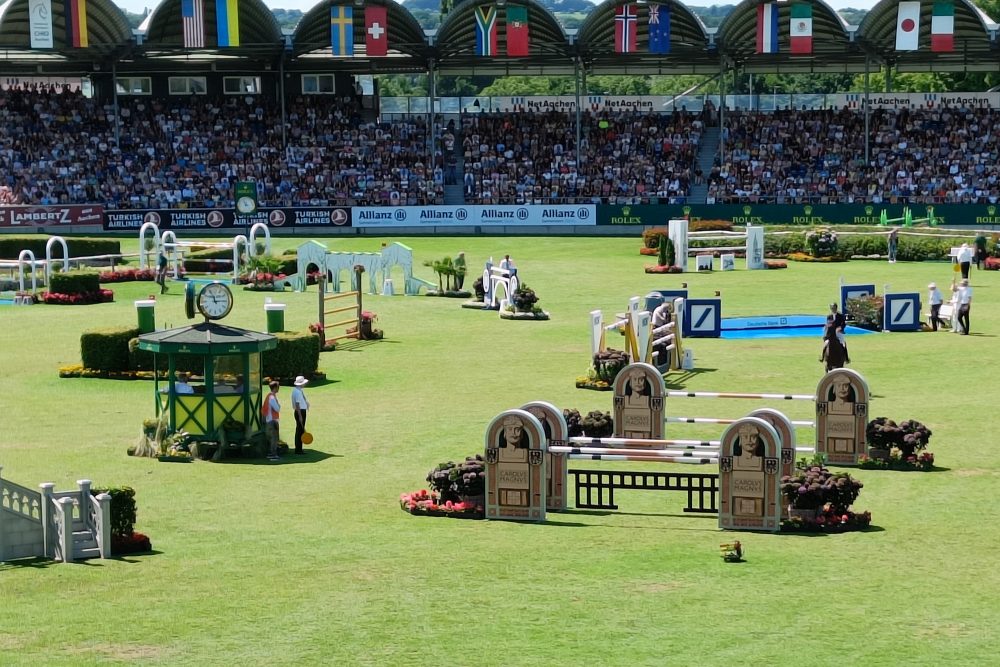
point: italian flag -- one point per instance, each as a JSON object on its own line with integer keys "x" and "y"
{"x": 943, "y": 26}
{"x": 800, "y": 28}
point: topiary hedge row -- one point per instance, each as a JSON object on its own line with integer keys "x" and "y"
{"x": 75, "y": 282}
{"x": 11, "y": 246}
{"x": 296, "y": 354}
{"x": 107, "y": 349}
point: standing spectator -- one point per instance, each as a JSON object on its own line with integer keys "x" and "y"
{"x": 935, "y": 299}
{"x": 301, "y": 406}
{"x": 893, "y": 244}
{"x": 271, "y": 410}
{"x": 965, "y": 260}
{"x": 964, "y": 304}
{"x": 838, "y": 323}
{"x": 980, "y": 244}
{"x": 460, "y": 270}
{"x": 161, "y": 271}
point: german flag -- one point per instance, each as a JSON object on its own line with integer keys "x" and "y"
{"x": 76, "y": 24}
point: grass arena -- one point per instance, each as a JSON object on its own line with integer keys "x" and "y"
{"x": 311, "y": 561}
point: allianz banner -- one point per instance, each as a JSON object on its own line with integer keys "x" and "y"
{"x": 48, "y": 216}
{"x": 475, "y": 216}
{"x": 949, "y": 215}
{"x": 211, "y": 218}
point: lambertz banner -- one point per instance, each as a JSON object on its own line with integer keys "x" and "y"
{"x": 48, "y": 216}
{"x": 179, "y": 218}
{"x": 475, "y": 216}
{"x": 797, "y": 214}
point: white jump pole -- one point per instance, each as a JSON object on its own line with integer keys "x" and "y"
{"x": 713, "y": 420}
{"x": 722, "y": 394}
{"x": 639, "y": 442}
{"x": 638, "y": 459}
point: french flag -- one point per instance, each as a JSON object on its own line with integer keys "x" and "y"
{"x": 767, "y": 28}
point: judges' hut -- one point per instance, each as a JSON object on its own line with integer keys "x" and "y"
{"x": 230, "y": 363}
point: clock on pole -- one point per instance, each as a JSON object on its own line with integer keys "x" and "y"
{"x": 246, "y": 198}
{"x": 215, "y": 300}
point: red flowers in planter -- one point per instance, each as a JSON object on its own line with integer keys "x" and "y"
{"x": 127, "y": 275}
{"x": 84, "y": 298}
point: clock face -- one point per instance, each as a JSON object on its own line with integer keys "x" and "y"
{"x": 245, "y": 205}
{"x": 215, "y": 301}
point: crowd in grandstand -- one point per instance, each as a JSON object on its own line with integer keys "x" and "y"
{"x": 60, "y": 147}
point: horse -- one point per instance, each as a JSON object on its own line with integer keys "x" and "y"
{"x": 834, "y": 353}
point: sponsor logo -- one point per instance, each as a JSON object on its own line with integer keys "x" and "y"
{"x": 746, "y": 210}
{"x": 380, "y": 215}
{"x": 338, "y": 216}
{"x": 152, "y": 217}
{"x": 626, "y": 218}
{"x": 399, "y": 215}
{"x": 276, "y": 217}
{"x": 215, "y": 219}
{"x": 496, "y": 214}
{"x": 522, "y": 214}
{"x": 808, "y": 209}
{"x": 461, "y": 214}
{"x": 582, "y": 213}
{"x": 432, "y": 214}
{"x": 869, "y": 209}
{"x": 556, "y": 213}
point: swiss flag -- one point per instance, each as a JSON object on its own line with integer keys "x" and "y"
{"x": 376, "y": 31}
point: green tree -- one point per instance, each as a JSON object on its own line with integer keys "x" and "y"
{"x": 617, "y": 85}
{"x": 531, "y": 85}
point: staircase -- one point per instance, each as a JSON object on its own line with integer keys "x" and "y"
{"x": 61, "y": 525}
{"x": 454, "y": 194}
{"x": 708, "y": 149}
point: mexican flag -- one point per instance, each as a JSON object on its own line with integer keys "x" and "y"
{"x": 517, "y": 31}
{"x": 800, "y": 28}
{"x": 943, "y": 26}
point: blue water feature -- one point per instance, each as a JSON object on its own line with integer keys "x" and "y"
{"x": 779, "y": 326}
{"x": 6, "y": 302}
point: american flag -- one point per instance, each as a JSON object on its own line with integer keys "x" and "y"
{"x": 193, "y": 19}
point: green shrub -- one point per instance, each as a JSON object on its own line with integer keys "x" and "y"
{"x": 784, "y": 244}
{"x": 107, "y": 349}
{"x": 867, "y": 311}
{"x": 710, "y": 226}
{"x": 296, "y": 354}
{"x": 822, "y": 242}
{"x": 123, "y": 509}
{"x": 11, "y": 246}
{"x": 75, "y": 282}
{"x": 651, "y": 237}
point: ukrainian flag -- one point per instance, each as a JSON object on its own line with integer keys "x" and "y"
{"x": 342, "y": 30}
{"x": 227, "y": 22}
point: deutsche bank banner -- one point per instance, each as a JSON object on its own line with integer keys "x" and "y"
{"x": 475, "y": 216}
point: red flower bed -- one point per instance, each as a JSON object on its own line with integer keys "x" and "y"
{"x": 775, "y": 264}
{"x": 663, "y": 269}
{"x": 993, "y": 263}
{"x": 428, "y": 503}
{"x": 82, "y": 299}
{"x": 127, "y": 275}
{"x": 136, "y": 543}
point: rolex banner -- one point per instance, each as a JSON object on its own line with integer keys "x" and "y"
{"x": 40, "y": 23}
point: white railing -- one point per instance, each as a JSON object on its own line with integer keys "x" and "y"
{"x": 99, "y": 520}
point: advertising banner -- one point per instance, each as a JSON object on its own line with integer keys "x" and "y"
{"x": 476, "y": 216}
{"x": 180, "y": 218}
{"x": 47, "y": 216}
{"x": 948, "y": 215}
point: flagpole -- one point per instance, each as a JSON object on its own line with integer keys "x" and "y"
{"x": 114, "y": 90}
{"x": 281, "y": 93}
{"x": 868, "y": 154}
{"x": 722, "y": 109}
{"x": 579, "y": 114}
{"x": 432, "y": 89}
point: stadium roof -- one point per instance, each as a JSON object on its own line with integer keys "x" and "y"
{"x": 451, "y": 49}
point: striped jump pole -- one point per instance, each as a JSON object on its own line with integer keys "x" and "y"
{"x": 642, "y": 459}
{"x": 652, "y": 453}
{"x": 638, "y": 442}
{"x": 723, "y": 394}
{"x": 713, "y": 420}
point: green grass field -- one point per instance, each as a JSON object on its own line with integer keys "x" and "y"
{"x": 311, "y": 562}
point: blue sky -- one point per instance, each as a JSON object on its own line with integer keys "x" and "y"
{"x": 137, "y": 6}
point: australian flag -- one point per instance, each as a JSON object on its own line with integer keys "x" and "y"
{"x": 659, "y": 29}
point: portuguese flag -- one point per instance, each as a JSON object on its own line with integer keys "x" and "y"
{"x": 943, "y": 26}
{"x": 517, "y": 31}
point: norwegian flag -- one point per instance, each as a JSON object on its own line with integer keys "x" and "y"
{"x": 626, "y": 24}
{"x": 193, "y": 20}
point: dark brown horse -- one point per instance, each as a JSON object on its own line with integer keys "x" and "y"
{"x": 834, "y": 353}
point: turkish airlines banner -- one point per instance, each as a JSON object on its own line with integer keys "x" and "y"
{"x": 211, "y": 218}
{"x": 48, "y": 216}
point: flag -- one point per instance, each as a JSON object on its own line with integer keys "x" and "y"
{"x": 193, "y": 22}
{"x": 486, "y": 30}
{"x": 626, "y": 24}
{"x": 40, "y": 23}
{"x": 801, "y": 28}
{"x": 76, "y": 23}
{"x": 227, "y": 22}
{"x": 517, "y": 31}
{"x": 943, "y": 26}
{"x": 376, "y": 35}
{"x": 767, "y": 28}
{"x": 908, "y": 26}
{"x": 342, "y": 30}
{"x": 659, "y": 29}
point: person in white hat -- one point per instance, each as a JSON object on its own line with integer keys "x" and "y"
{"x": 300, "y": 406}
{"x": 935, "y": 299}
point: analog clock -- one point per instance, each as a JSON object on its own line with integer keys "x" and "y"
{"x": 246, "y": 205}
{"x": 215, "y": 301}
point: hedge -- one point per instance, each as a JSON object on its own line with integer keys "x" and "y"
{"x": 297, "y": 354}
{"x": 75, "y": 282}
{"x": 107, "y": 349}
{"x": 123, "y": 509}
{"x": 12, "y": 245}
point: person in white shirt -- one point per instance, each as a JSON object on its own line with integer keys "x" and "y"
{"x": 300, "y": 405}
{"x": 182, "y": 385}
{"x": 965, "y": 260}
{"x": 935, "y": 299}
{"x": 964, "y": 304}
{"x": 506, "y": 263}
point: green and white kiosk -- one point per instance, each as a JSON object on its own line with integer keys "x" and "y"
{"x": 230, "y": 363}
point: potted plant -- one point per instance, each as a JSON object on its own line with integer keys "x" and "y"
{"x": 460, "y": 482}
{"x": 175, "y": 447}
{"x": 523, "y": 298}
{"x": 597, "y": 424}
{"x": 573, "y": 427}
{"x": 882, "y": 434}
{"x": 608, "y": 363}
{"x": 479, "y": 289}
{"x": 813, "y": 488}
